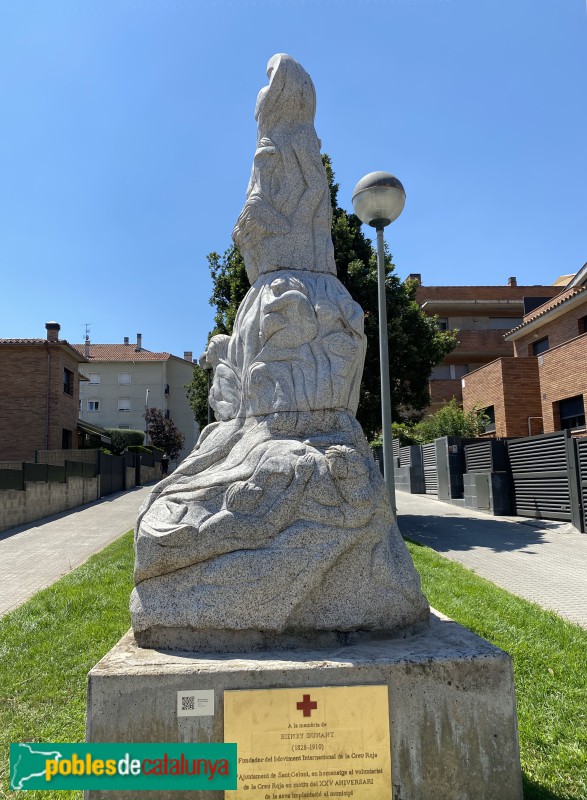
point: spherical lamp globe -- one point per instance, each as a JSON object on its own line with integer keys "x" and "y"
{"x": 378, "y": 199}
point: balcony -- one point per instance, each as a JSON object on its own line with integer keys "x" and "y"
{"x": 480, "y": 346}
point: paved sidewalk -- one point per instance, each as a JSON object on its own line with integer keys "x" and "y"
{"x": 542, "y": 561}
{"x": 35, "y": 555}
{"x": 539, "y": 560}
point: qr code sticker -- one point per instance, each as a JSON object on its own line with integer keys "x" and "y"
{"x": 195, "y": 703}
{"x": 188, "y": 702}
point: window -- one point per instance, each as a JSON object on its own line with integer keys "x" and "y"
{"x": 94, "y": 377}
{"x": 440, "y": 373}
{"x": 67, "y": 381}
{"x": 93, "y": 405}
{"x": 541, "y": 346}
{"x": 504, "y": 323}
{"x": 490, "y": 424}
{"x": 124, "y": 378}
{"x": 441, "y": 324}
{"x": 572, "y": 412}
{"x": 124, "y": 403}
{"x": 582, "y": 325}
{"x": 458, "y": 370}
{"x": 66, "y": 439}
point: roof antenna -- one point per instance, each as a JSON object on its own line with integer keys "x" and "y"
{"x": 87, "y": 341}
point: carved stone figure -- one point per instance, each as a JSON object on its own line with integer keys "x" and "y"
{"x": 277, "y": 529}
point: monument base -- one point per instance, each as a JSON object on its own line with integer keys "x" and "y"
{"x": 451, "y": 704}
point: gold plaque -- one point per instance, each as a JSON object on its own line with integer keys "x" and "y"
{"x": 320, "y": 742}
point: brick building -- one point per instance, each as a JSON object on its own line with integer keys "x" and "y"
{"x": 543, "y": 386}
{"x": 482, "y": 315}
{"x": 40, "y": 395}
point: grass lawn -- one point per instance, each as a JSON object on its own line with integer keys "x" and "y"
{"x": 550, "y": 667}
{"x": 48, "y": 645}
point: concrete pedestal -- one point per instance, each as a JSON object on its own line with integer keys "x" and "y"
{"x": 451, "y": 704}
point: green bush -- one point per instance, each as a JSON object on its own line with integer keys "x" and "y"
{"x": 450, "y": 420}
{"x": 403, "y": 431}
{"x": 122, "y": 438}
{"x": 138, "y": 448}
{"x": 376, "y": 442}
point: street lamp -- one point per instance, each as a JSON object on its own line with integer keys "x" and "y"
{"x": 379, "y": 199}
{"x": 146, "y": 417}
{"x": 205, "y": 364}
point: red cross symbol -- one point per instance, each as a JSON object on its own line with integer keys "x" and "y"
{"x": 307, "y": 706}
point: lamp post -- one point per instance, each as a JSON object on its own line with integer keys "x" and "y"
{"x": 204, "y": 364}
{"x": 378, "y": 199}
{"x": 146, "y": 420}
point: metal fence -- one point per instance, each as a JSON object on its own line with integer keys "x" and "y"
{"x": 112, "y": 471}
{"x": 581, "y": 445}
{"x": 430, "y": 468}
{"x": 545, "y": 477}
{"x": 59, "y": 457}
{"x": 489, "y": 455}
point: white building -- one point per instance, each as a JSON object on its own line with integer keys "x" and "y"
{"x": 124, "y": 379}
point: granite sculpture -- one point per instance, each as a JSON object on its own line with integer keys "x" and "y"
{"x": 277, "y": 529}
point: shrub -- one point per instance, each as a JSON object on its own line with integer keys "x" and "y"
{"x": 138, "y": 448}
{"x": 122, "y": 438}
{"x": 403, "y": 431}
{"x": 450, "y": 420}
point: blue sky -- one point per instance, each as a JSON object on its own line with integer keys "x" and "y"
{"x": 128, "y": 135}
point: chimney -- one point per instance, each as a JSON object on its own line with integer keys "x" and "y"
{"x": 53, "y": 329}
{"x": 415, "y": 276}
{"x": 126, "y": 340}
{"x": 139, "y": 346}
{"x": 188, "y": 355}
{"x": 512, "y": 281}
{"x": 87, "y": 347}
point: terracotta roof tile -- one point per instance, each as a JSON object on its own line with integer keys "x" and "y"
{"x": 59, "y": 343}
{"x": 549, "y": 305}
{"x": 24, "y": 341}
{"x": 120, "y": 352}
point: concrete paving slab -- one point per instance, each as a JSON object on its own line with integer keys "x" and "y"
{"x": 35, "y": 555}
{"x": 539, "y": 560}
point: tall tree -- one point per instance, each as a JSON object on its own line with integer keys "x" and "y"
{"x": 164, "y": 433}
{"x": 230, "y": 282}
{"x": 230, "y": 285}
{"x": 415, "y": 343}
{"x": 197, "y": 394}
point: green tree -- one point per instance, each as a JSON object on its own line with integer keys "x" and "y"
{"x": 230, "y": 282}
{"x": 163, "y": 432}
{"x": 197, "y": 395}
{"x": 230, "y": 285}
{"x": 415, "y": 343}
{"x": 450, "y": 420}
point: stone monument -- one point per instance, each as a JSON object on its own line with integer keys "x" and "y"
{"x": 270, "y": 558}
{"x": 278, "y": 528}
